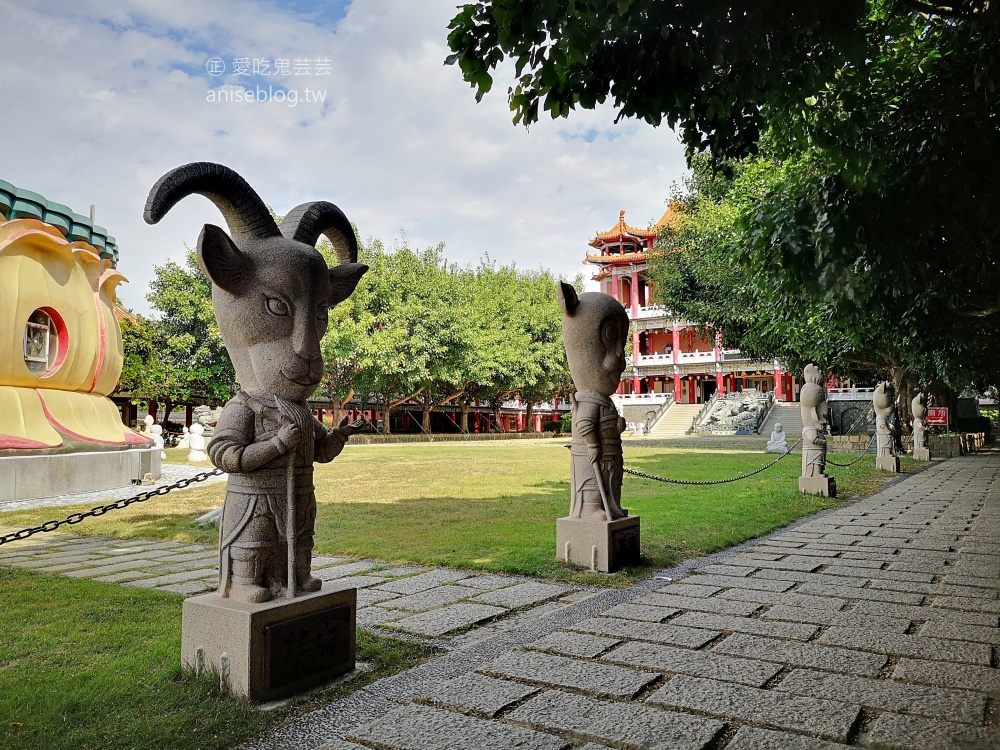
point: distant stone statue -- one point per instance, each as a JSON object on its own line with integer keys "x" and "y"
{"x": 598, "y": 533}
{"x": 156, "y": 432}
{"x": 272, "y": 292}
{"x": 812, "y": 398}
{"x": 185, "y": 437}
{"x": 884, "y": 401}
{"x": 779, "y": 441}
{"x": 196, "y": 441}
{"x": 147, "y": 423}
{"x": 918, "y": 407}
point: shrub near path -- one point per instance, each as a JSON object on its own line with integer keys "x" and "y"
{"x": 493, "y": 506}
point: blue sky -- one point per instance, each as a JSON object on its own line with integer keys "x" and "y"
{"x": 98, "y": 100}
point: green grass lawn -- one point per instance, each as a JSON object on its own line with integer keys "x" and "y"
{"x": 87, "y": 665}
{"x": 493, "y": 506}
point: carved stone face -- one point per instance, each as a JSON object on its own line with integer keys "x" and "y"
{"x": 884, "y": 399}
{"x": 272, "y": 303}
{"x": 595, "y": 331}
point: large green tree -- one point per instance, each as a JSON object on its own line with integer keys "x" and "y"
{"x": 882, "y": 114}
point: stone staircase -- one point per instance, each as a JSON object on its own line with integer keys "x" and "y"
{"x": 790, "y": 416}
{"x": 676, "y": 420}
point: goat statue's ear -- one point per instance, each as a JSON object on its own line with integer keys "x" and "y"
{"x": 226, "y": 265}
{"x": 568, "y": 299}
{"x": 344, "y": 278}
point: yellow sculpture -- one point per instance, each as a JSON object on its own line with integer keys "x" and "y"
{"x": 60, "y": 345}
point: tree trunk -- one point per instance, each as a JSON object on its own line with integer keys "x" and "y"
{"x": 338, "y": 406}
{"x": 496, "y": 416}
{"x": 426, "y": 407}
{"x": 386, "y": 426}
{"x": 528, "y": 414}
{"x": 463, "y": 421}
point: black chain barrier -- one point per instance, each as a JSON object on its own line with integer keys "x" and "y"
{"x": 655, "y": 478}
{"x": 851, "y": 463}
{"x": 100, "y": 510}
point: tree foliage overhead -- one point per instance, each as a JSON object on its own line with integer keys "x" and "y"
{"x": 883, "y": 114}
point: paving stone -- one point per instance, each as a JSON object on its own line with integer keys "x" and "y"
{"x": 55, "y": 560}
{"x": 695, "y": 663}
{"x": 968, "y": 604}
{"x": 992, "y": 584}
{"x": 653, "y": 631}
{"x": 402, "y": 570}
{"x": 476, "y": 692}
{"x": 821, "y": 578}
{"x": 348, "y": 569}
{"x": 802, "y": 654}
{"x": 430, "y": 599}
{"x": 798, "y": 631}
{"x": 764, "y": 553}
{"x": 367, "y": 597}
{"x": 360, "y": 581}
{"x": 690, "y": 589}
{"x": 125, "y": 575}
{"x": 961, "y": 632}
{"x": 755, "y": 584}
{"x": 340, "y": 745}
{"x": 587, "y": 676}
{"x": 878, "y": 574}
{"x": 907, "y": 645}
{"x": 920, "y": 700}
{"x": 416, "y": 727}
{"x": 787, "y": 563}
{"x": 117, "y": 567}
{"x": 896, "y": 732}
{"x": 190, "y": 588}
{"x": 849, "y": 592}
{"x": 575, "y": 644}
{"x": 751, "y": 738}
{"x": 190, "y": 575}
{"x": 447, "y": 619}
{"x": 631, "y": 725}
{"x": 711, "y": 604}
{"x": 816, "y": 716}
{"x": 793, "y": 599}
{"x": 833, "y": 617}
{"x": 423, "y": 581}
{"x": 962, "y": 676}
{"x": 375, "y": 615}
{"x": 925, "y": 613}
{"x": 522, "y": 594}
{"x": 491, "y": 581}
{"x": 729, "y": 570}
{"x": 928, "y": 589}
{"x": 643, "y": 612}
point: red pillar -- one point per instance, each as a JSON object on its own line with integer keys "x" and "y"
{"x": 188, "y": 415}
{"x": 621, "y": 386}
{"x": 615, "y": 286}
{"x": 152, "y": 409}
{"x": 635, "y": 346}
{"x": 538, "y": 422}
{"x": 634, "y": 289}
{"x": 649, "y": 384}
{"x": 677, "y": 388}
{"x": 732, "y": 383}
{"x": 779, "y": 391}
{"x": 720, "y": 385}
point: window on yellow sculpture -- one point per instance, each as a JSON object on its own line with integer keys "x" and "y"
{"x": 42, "y": 336}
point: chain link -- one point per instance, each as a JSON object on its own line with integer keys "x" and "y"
{"x": 655, "y": 478}
{"x": 851, "y": 463}
{"x": 100, "y": 510}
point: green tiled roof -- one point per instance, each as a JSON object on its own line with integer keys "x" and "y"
{"x": 17, "y": 203}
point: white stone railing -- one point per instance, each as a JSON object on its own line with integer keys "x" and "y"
{"x": 649, "y": 311}
{"x": 684, "y": 358}
{"x": 640, "y": 399}
{"x": 849, "y": 394}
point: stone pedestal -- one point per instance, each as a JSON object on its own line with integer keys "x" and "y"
{"x": 824, "y": 486}
{"x": 921, "y": 454}
{"x": 887, "y": 463}
{"x": 604, "y": 546}
{"x": 274, "y": 649}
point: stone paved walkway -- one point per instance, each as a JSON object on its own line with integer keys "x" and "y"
{"x": 874, "y": 625}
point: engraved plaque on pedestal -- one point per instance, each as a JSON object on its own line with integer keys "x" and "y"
{"x": 625, "y": 546}
{"x": 308, "y": 645}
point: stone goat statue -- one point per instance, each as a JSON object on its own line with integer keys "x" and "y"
{"x": 272, "y": 292}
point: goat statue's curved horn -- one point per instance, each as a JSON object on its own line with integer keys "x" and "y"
{"x": 244, "y": 211}
{"x": 307, "y": 222}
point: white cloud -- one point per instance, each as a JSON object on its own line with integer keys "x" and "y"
{"x": 96, "y": 104}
